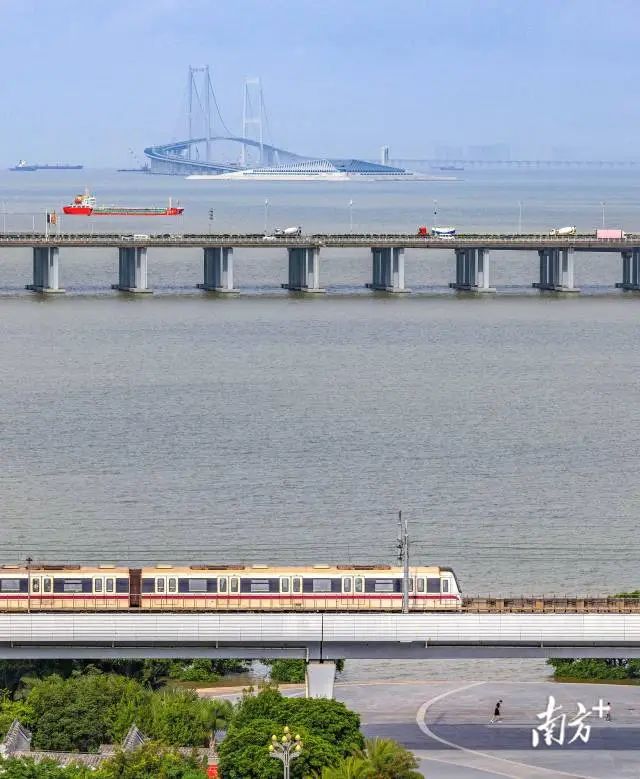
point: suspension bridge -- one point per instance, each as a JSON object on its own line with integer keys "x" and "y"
{"x": 206, "y": 131}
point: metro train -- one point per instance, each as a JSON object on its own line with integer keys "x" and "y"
{"x": 227, "y": 588}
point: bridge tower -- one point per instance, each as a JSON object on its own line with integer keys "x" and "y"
{"x": 253, "y": 117}
{"x": 201, "y": 100}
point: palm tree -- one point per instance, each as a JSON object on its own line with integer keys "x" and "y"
{"x": 351, "y": 768}
{"x": 386, "y": 759}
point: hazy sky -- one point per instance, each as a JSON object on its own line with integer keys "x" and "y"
{"x": 85, "y": 81}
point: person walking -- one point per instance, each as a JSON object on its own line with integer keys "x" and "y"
{"x": 607, "y": 716}
{"x": 496, "y": 712}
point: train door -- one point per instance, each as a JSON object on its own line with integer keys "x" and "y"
{"x": 234, "y": 590}
{"x": 160, "y": 589}
{"x": 222, "y": 591}
{"x": 296, "y": 590}
{"x": 285, "y": 591}
{"x": 347, "y": 591}
{"x": 98, "y": 586}
{"x": 135, "y": 587}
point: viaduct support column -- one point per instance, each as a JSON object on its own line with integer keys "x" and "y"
{"x": 46, "y": 277}
{"x": 320, "y": 678}
{"x": 472, "y": 271}
{"x": 218, "y": 270}
{"x": 132, "y": 269}
{"x": 630, "y": 270}
{"x": 304, "y": 269}
{"x": 387, "y": 272}
{"x": 556, "y": 270}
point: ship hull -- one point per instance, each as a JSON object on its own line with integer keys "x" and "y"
{"x": 87, "y": 211}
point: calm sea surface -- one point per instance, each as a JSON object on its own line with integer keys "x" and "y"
{"x": 276, "y": 429}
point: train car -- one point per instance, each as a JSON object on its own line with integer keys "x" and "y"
{"x": 64, "y": 588}
{"x": 302, "y": 588}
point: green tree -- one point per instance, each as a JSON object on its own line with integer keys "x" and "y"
{"x": 181, "y": 718}
{"x": 26, "y": 768}
{"x": 328, "y": 718}
{"x": 244, "y": 753}
{"x": 265, "y": 703}
{"x": 151, "y": 760}
{"x": 286, "y": 671}
{"x": 78, "y": 713}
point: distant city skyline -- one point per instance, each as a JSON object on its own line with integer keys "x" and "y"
{"x": 538, "y": 78}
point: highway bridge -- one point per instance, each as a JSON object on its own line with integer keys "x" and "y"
{"x": 319, "y": 638}
{"x": 472, "y": 257}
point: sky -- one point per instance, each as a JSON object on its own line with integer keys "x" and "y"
{"x": 86, "y": 82}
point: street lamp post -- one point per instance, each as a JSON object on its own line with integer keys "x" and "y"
{"x": 603, "y": 204}
{"x": 286, "y": 748}
{"x": 211, "y": 217}
{"x": 435, "y": 213}
{"x": 266, "y": 216}
{"x": 29, "y": 561}
{"x": 351, "y": 216}
{"x": 519, "y": 217}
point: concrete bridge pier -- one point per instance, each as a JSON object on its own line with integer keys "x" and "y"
{"x": 304, "y": 270}
{"x": 46, "y": 278}
{"x": 472, "y": 271}
{"x": 132, "y": 269}
{"x": 387, "y": 269}
{"x": 320, "y": 678}
{"x": 556, "y": 270}
{"x": 630, "y": 270}
{"x": 218, "y": 270}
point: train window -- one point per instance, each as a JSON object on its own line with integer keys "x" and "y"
{"x": 383, "y": 585}
{"x": 159, "y": 585}
{"x": 411, "y": 584}
{"x": 420, "y": 584}
{"x": 433, "y": 584}
{"x": 72, "y": 585}
{"x": 197, "y": 585}
{"x": 322, "y": 585}
{"x": 148, "y": 585}
{"x": 97, "y": 585}
{"x": 122, "y": 584}
{"x": 346, "y": 584}
{"x": 222, "y": 584}
{"x": 46, "y": 584}
{"x": 234, "y": 584}
{"x": 359, "y": 584}
{"x": 173, "y": 584}
{"x": 35, "y": 585}
{"x": 284, "y": 584}
{"x": 13, "y": 585}
{"x": 110, "y": 585}
{"x": 259, "y": 585}
{"x": 445, "y": 585}
{"x": 297, "y": 584}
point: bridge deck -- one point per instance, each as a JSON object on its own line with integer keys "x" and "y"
{"x": 319, "y": 636}
{"x": 581, "y": 243}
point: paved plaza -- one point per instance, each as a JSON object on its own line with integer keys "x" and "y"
{"x": 447, "y": 725}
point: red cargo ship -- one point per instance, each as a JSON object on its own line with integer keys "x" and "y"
{"x": 85, "y": 205}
